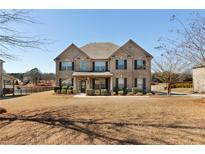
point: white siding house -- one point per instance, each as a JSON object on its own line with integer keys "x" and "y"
{"x": 199, "y": 79}
{"x": 1, "y": 76}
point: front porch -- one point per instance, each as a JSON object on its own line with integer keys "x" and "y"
{"x": 92, "y": 80}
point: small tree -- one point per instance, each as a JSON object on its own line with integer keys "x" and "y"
{"x": 34, "y": 75}
{"x": 168, "y": 67}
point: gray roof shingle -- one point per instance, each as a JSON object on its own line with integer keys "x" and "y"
{"x": 99, "y": 50}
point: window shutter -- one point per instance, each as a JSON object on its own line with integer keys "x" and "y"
{"x": 93, "y": 66}
{"x": 116, "y": 65}
{"x": 60, "y": 64}
{"x": 73, "y": 66}
{"x": 93, "y": 83}
{"x": 144, "y": 64}
{"x": 106, "y": 83}
{"x": 106, "y": 66}
{"x": 135, "y": 64}
{"x": 125, "y": 64}
{"x": 60, "y": 83}
{"x": 144, "y": 83}
{"x": 72, "y": 81}
{"x": 135, "y": 82}
{"x": 125, "y": 82}
{"x": 116, "y": 83}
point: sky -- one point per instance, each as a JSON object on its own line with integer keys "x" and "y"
{"x": 63, "y": 27}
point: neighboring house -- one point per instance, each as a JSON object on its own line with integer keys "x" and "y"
{"x": 104, "y": 66}
{"x": 1, "y": 77}
{"x": 199, "y": 78}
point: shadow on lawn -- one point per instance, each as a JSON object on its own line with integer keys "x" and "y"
{"x": 87, "y": 127}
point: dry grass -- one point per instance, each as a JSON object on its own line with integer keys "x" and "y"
{"x": 46, "y": 118}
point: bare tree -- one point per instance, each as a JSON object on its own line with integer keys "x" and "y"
{"x": 190, "y": 40}
{"x": 168, "y": 68}
{"x": 11, "y": 38}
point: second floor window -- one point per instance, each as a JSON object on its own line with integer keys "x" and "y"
{"x": 66, "y": 65}
{"x": 100, "y": 66}
{"x": 121, "y": 64}
{"x": 140, "y": 64}
{"x": 83, "y": 65}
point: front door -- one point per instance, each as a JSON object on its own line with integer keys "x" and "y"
{"x": 82, "y": 86}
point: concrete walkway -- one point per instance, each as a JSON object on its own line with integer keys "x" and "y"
{"x": 84, "y": 95}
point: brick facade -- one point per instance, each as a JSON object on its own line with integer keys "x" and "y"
{"x": 130, "y": 52}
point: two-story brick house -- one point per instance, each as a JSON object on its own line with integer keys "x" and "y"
{"x": 104, "y": 66}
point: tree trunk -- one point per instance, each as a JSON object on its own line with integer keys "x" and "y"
{"x": 169, "y": 89}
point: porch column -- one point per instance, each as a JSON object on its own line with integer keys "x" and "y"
{"x": 111, "y": 87}
{"x": 74, "y": 83}
{"x": 88, "y": 83}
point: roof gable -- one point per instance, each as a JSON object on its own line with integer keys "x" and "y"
{"x": 136, "y": 45}
{"x": 128, "y": 52}
{"x": 67, "y": 50}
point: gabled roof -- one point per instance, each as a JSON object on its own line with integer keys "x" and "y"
{"x": 99, "y": 50}
{"x": 72, "y": 45}
{"x": 133, "y": 42}
{"x": 102, "y": 50}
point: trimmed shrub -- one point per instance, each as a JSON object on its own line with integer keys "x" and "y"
{"x": 64, "y": 87}
{"x": 89, "y": 92}
{"x": 134, "y": 90}
{"x": 56, "y": 88}
{"x": 97, "y": 92}
{"x": 121, "y": 92}
{"x": 182, "y": 85}
{"x": 149, "y": 93}
{"x": 75, "y": 91}
{"x": 130, "y": 93}
{"x": 116, "y": 90}
{"x": 58, "y": 91}
{"x": 70, "y": 88}
{"x": 125, "y": 90}
{"x": 104, "y": 92}
{"x": 139, "y": 93}
{"x": 69, "y": 91}
{"x": 64, "y": 91}
{"x": 113, "y": 93}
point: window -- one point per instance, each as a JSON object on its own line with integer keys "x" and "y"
{"x": 66, "y": 65}
{"x": 100, "y": 84}
{"x": 83, "y": 65}
{"x": 121, "y": 83}
{"x": 140, "y": 64}
{"x": 100, "y": 66}
{"x": 121, "y": 64}
{"x": 140, "y": 83}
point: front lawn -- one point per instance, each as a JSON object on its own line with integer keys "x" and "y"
{"x": 46, "y": 118}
